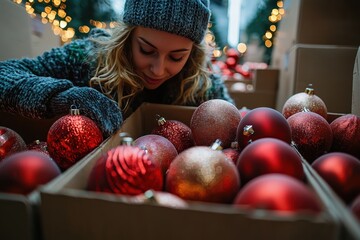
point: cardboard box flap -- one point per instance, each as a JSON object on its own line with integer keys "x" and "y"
{"x": 355, "y": 109}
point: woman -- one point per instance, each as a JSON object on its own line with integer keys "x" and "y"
{"x": 156, "y": 54}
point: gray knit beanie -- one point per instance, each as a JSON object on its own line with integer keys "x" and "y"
{"x": 187, "y": 18}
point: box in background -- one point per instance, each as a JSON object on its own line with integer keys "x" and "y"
{"x": 328, "y": 68}
{"x": 260, "y": 91}
{"x": 324, "y": 22}
{"x": 68, "y": 211}
{"x": 355, "y": 109}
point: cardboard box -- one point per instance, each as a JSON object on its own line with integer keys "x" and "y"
{"x": 355, "y": 107}
{"x": 261, "y": 91}
{"x": 68, "y": 211}
{"x": 328, "y": 68}
{"x": 323, "y": 22}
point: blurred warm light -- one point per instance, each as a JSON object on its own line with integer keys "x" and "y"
{"x": 275, "y": 11}
{"x": 241, "y": 47}
{"x": 17, "y": 1}
{"x": 56, "y": 3}
{"x": 268, "y": 43}
{"x": 68, "y": 19}
{"x": 273, "y": 28}
{"x": 61, "y": 13}
{"x": 56, "y": 23}
{"x": 272, "y": 18}
{"x": 217, "y": 53}
{"x": 63, "y": 24}
{"x": 280, "y": 4}
{"x": 268, "y": 35}
{"x": 281, "y": 11}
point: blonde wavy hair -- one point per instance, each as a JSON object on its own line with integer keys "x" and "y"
{"x": 115, "y": 74}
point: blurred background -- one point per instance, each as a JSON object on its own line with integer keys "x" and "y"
{"x": 247, "y": 25}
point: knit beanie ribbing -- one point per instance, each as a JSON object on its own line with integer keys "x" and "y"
{"x": 187, "y": 18}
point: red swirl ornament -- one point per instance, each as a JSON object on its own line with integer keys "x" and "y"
{"x": 71, "y": 138}
{"x": 10, "y": 142}
{"x": 126, "y": 170}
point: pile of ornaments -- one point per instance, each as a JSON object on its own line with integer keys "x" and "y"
{"x": 24, "y": 167}
{"x": 247, "y": 158}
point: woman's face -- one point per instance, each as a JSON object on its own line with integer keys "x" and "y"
{"x": 158, "y": 55}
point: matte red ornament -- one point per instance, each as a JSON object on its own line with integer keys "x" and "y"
{"x": 160, "y": 149}
{"x": 346, "y": 134}
{"x": 38, "y": 145}
{"x": 125, "y": 170}
{"x": 215, "y": 119}
{"x": 306, "y": 101}
{"x": 355, "y": 207}
{"x": 311, "y": 134}
{"x": 23, "y": 172}
{"x": 178, "y": 133}
{"x": 269, "y": 155}
{"x": 262, "y": 122}
{"x": 10, "y": 142}
{"x": 341, "y": 171}
{"x": 203, "y": 174}
{"x": 71, "y": 138}
{"x": 280, "y": 193}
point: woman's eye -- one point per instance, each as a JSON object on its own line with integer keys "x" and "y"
{"x": 176, "y": 59}
{"x": 146, "y": 52}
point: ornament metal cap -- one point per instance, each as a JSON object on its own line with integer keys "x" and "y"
{"x": 310, "y": 90}
{"x": 248, "y": 130}
{"x": 74, "y": 110}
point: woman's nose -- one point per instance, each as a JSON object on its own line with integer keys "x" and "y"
{"x": 158, "y": 67}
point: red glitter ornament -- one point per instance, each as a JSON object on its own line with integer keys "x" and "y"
{"x": 269, "y": 155}
{"x": 71, "y": 137}
{"x": 346, "y": 134}
{"x": 262, "y": 122}
{"x": 305, "y": 101}
{"x": 278, "y": 192}
{"x": 125, "y": 170}
{"x": 232, "y": 154}
{"x": 23, "y": 172}
{"x": 212, "y": 120}
{"x": 178, "y": 133}
{"x": 311, "y": 134}
{"x": 203, "y": 174}
{"x": 160, "y": 149}
{"x": 38, "y": 145}
{"x": 342, "y": 173}
{"x": 10, "y": 142}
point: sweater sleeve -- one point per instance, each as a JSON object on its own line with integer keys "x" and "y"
{"x": 28, "y": 84}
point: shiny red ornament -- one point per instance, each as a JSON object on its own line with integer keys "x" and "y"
{"x": 232, "y": 154}
{"x": 10, "y": 142}
{"x": 71, "y": 138}
{"x": 233, "y": 53}
{"x": 125, "y": 170}
{"x": 262, "y": 122}
{"x": 203, "y": 174}
{"x": 230, "y": 62}
{"x": 311, "y": 134}
{"x": 341, "y": 171}
{"x": 280, "y": 193}
{"x": 212, "y": 120}
{"x": 178, "y": 133}
{"x": 269, "y": 155}
{"x": 160, "y": 149}
{"x": 38, "y": 145}
{"x": 23, "y": 172}
{"x": 355, "y": 208}
{"x": 306, "y": 101}
{"x": 346, "y": 134}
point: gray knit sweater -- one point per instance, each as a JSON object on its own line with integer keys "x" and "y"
{"x": 28, "y": 85}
